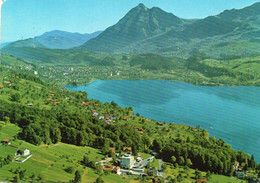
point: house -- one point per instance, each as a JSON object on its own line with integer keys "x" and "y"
{"x": 48, "y": 99}
{"x": 6, "y": 141}
{"x": 85, "y": 104}
{"x": 141, "y": 133}
{"x": 161, "y": 124}
{"x": 127, "y": 149}
{"x": 55, "y": 103}
{"x": 116, "y": 170}
{"x": 126, "y": 118}
{"x": 8, "y": 83}
{"x": 201, "y": 181}
{"x": 236, "y": 165}
{"x": 112, "y": 149}
{"x": 30, "y": 104}
{"x": 1, "y": 86}
{"x": 108, "y": 167}
{"x": 101, "y": 117}
{"x": 23, "y": 152}
{"x": 107, "y": 118}
{"x": 111, "y": 168}
{"x": 127, "y": 161}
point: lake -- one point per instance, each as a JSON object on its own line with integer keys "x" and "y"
{"x": 230, "y": 113}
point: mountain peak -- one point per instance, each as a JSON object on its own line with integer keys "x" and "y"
{"x": 141, "y": 5}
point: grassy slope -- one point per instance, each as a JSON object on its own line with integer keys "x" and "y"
{"x": 50, "y": 161}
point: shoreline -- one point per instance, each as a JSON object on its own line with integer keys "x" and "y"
{"x": 201, "y": 84}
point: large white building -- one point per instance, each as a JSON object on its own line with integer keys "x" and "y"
{"x": 127, "y": 161}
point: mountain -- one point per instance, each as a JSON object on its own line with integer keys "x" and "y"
{"x": 32, "y": 43}
{"x": 231, "y": 26}
{"x": 138, "y": 24}
{"x": 64, "y": 40}
{"x": 5, "y": 44}
{"x": 54, "y": 40}
{"x": 145, "y": 30}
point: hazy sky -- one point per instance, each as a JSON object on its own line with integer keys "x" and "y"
{"x": 23, "y": 19}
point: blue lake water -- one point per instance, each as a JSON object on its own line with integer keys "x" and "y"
{"x": 230, "y": 113}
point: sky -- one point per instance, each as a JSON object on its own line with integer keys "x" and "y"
{"x": 22, "y": 19}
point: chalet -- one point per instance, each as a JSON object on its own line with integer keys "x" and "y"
{"x": 55, "y": 103}
{"x": 111, "y": 168}
{"x": 23, "y": 152}
{"x": 116, "y": 170}
{"x": 108, "y": 167}
{"x": 101, "y": 117}
{"x": 85, "y": 104}
{"x": 127, "y": 149}
{"x": 126, "y": 118}
{"x": 201, "y": 181}
{"x": 236, "y": 165}
{"x": 6, "y": 141}
{"x": 112, "y": 149}
{"x": 138, "y": 128}
{"x": 8, "y": 83}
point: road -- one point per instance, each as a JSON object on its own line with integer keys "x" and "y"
{"x": 161, "y": 172}
{"x": 144, "y": 162}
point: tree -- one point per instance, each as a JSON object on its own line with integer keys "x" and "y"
{"x": 15, "y": 97}
{"x": 173, "y": 159}
{"x": 77, "y": 177}
{"x": 99, "y": 180}
{"x": 188, "y": 162}
{"x": 181, "y": 160}
{"x": 179, "y": 177}
{"x": 208, "y": 175}
{"x": 21, "y": 174}
{"x": 6, "y": 119}
{"x": 198, "y": 174}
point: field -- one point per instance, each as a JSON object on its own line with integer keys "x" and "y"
{"x": 48, "y": 163}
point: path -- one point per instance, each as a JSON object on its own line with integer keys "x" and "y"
{"x": 161, "y": 173}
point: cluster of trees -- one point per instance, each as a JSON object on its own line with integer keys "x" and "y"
{"x": 152, "y": 62}
{"x": 194, "y": 63}
{"x": 206, "y": 154}
{"x": 5, "y": 161}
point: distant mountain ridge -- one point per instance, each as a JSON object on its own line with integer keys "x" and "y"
{"x": 64, "y": 40}
{"x": 55, "y": 40}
